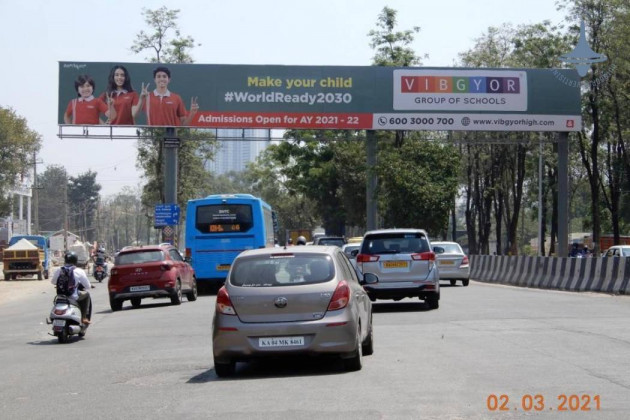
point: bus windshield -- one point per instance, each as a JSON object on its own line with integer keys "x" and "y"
{"x": 221, "y": 218}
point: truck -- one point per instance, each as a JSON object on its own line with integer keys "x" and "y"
{"x": 26, "y": 255}
{"x": 82, "y": 250}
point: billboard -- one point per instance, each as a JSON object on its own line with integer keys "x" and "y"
{"x": 318, "y": 97}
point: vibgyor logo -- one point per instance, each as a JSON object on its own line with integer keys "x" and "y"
{"x": 460, "y": 90}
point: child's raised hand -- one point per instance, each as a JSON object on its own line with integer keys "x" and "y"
{"x": 194, "y": 106}
{"x": 145, "y": 89}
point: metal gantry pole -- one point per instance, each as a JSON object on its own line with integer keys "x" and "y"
{"x": 171, "y": 152}
{"x": 541, "y": 239}
{"x": 370, "y": 193}
{"x": 563, "y": 195}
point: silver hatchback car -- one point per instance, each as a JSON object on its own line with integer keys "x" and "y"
{"x": 285, "y": 301}
{"x": 404, "y": 263}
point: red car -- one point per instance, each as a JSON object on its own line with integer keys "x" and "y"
{"x": 151, "y": 271}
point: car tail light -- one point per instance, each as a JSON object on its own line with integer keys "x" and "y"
{"x": 363, "y": 258}
{"x": 166, "y": 266}
{"x": 336, "y": 324}
{"x": 224, "y": 304}
{"x": 424, "y": 256}
{"x": 188, "y": 253}
{"x": 341, "y": 297}
{"x": 465, "y": 260}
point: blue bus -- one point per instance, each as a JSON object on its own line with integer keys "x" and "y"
{"x": 221, "y": 226}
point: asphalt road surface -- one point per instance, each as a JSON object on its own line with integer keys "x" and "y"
{"x": 489, "y": 351}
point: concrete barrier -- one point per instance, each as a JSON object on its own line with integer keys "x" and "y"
{"x": 605, "y": 275}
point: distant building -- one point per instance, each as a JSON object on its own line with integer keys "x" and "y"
{"x": 234, "y": 155}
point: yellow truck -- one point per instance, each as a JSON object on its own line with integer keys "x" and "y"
{"x": 26, "y": 255}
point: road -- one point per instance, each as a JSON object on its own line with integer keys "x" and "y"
{"x": 483, "y": 342}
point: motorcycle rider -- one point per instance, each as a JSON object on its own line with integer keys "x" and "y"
{"x": 82, "y": 297}
{"x": 100, "y": 259}
{"x": 301, "y": 240}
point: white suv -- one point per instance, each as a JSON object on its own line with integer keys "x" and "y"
{"x": 404, "y": 263}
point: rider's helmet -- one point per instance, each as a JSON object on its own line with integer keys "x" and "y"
{"x": 301, "y": 240}
{"x": 70, "y": 258}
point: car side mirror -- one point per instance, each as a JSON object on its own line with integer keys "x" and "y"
{"x": 354, "y": 253}
{"x": 369, "y": 278}
{"x": 438, "y": 250}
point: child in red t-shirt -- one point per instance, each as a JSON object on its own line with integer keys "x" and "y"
{"x": 126, "y": 101}
{"x": 163, "y": 107}
{"x": 86, "y": 109}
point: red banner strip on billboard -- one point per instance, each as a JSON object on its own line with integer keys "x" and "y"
{"x": 282, "y": 120}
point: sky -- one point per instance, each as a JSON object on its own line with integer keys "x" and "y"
{"x": 36, "y": 34}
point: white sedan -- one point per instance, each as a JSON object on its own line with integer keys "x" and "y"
{"x": 453, "y": 263}
{"x": 617, "y": 251}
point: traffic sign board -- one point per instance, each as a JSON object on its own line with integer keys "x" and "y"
{"x": 166, "y": 215}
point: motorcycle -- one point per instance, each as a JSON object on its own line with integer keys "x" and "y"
{"x": 99, "y": 272}
{"x": 65, "y": 318}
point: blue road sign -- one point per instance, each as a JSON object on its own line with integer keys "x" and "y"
{"x": 166, "y": 215}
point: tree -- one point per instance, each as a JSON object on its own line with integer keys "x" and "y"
{"x": 83, "y": 196}
{"x": 600, "y": 17}
{"x": 392, "y": 49}
{"x": 497, "y": 172}
{"x": 164, "y": 21}
{"x": 392, "y": 46}
{"x": 18, "y": 145}
{"x": 308, "y": 162}
{"x": 53, "y": 183}
{"x": 170, "y": 46}
{"x": 418, "y": 184}
{"x": 415, "y": 189}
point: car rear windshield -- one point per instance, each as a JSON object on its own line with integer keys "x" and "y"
{"x": 450, "y": 248}
{"x": 139, "y": 257}
{"x": 282, "y": 270}
{"x": 395, "y": 243}
{"x": 331, "y": 241}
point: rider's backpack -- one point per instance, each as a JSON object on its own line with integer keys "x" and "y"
{"x": 66, "y": 284}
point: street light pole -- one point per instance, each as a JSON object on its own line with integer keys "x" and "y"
{"x": 65, "y": 217}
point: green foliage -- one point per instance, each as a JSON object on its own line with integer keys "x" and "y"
{"x": 197, "y": 146}
{"x": 53, "y": 183}
{"x": 123, "y": 220}
{"x": 194, "y": 152}
{"x": 418, "y": 184}
{"x": 83, "y": 196}
{"x": 492, "y": 49}
{"x": 392, "y": 46}
{"x": 164, "y": 22}
{"x": 18, "y": 145}
{"x": 322, "y": 167}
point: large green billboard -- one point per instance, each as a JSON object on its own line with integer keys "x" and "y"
{"x": 318, "y": 97}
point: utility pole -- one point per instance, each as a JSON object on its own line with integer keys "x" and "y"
{"x": 65, "y": 215}
{"x": 35, "y": 195}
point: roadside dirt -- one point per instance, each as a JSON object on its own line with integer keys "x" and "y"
{"x": 25, "y": 286}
